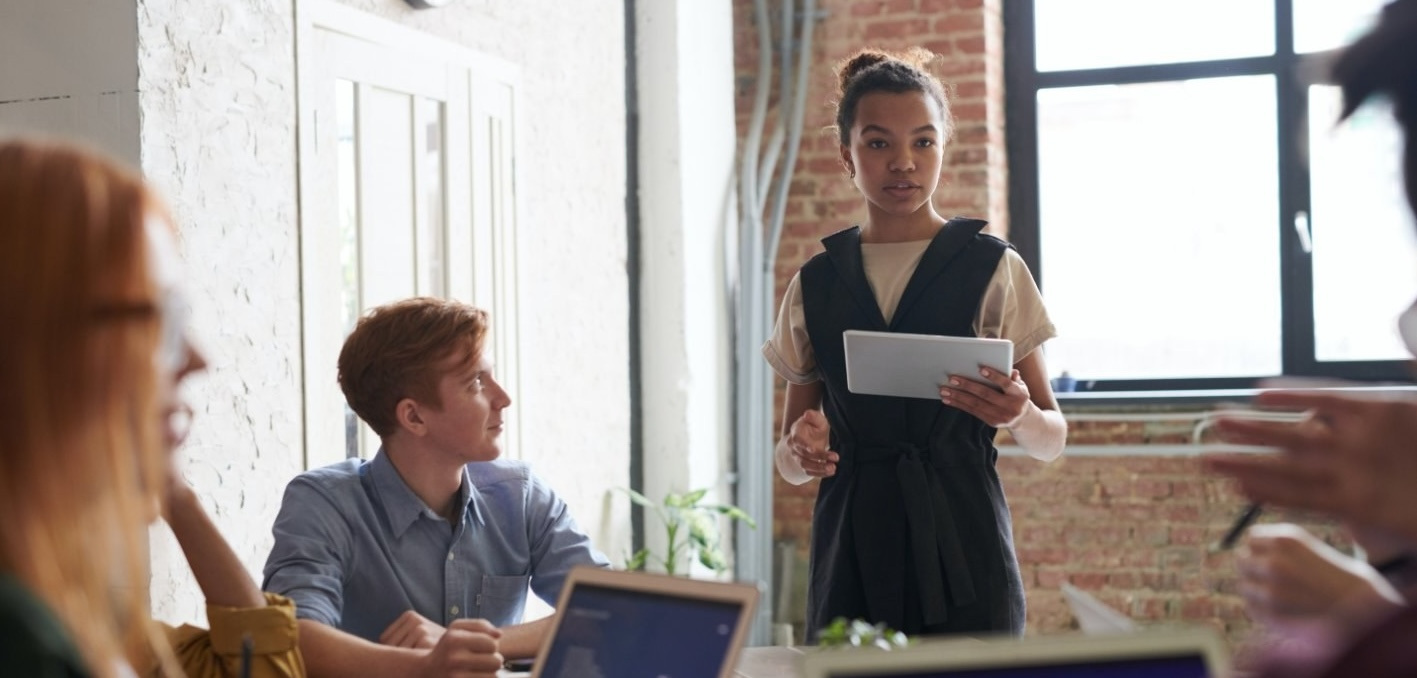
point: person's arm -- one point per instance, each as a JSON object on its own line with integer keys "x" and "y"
{"x": 236, "y": 609}
{"x": 217, "y": 653}
{"x": 557, "y": 545}
{"x": 469, "y": 647}
{"x": 520, "y": 641}
{"x": 802, "y": 453}
{"x": 221, "y": 576}
{"x": 1025, "y": 405}
{"x": 1041, "y": 431}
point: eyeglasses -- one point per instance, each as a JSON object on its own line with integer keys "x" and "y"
{"x": 172, "y": 310}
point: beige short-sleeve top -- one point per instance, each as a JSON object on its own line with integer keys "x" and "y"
{"x": 1012, "y": 307}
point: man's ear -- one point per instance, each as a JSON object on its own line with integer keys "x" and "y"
{"x": 408, "y": 416}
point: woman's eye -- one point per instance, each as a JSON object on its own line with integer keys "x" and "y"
{"x": 925, "y": 143}
{"x": 876, "y": 143}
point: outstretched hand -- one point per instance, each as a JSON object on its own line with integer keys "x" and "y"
{"x": 808, "y": 440}
{"x": 998, "y": 408}
{"x": 1353, "y": 458}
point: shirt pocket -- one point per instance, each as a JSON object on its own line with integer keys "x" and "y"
{"x": 503, "y": 598}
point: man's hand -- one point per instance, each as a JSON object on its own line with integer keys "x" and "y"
{"x": 412, "y": 630}
{"x": 808, "y": 440}
{"x": 468, "y": 649}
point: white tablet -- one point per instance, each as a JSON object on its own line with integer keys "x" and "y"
{"x": 915, "y": 365}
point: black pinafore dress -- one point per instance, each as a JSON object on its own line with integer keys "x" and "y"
{"x": 913, "y": 530}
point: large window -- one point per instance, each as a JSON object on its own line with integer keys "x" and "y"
{"x": 406, "y": 188}
{"x": 1194, "y": 215}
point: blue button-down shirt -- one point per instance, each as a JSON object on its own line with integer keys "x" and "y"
{"x": 355, "y": 547}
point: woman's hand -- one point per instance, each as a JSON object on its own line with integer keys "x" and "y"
{"x": 808, "y": 440}
{"x": 1353, "y": 458}
{"x": 995, "y": 408}
{"x": 1288, "y": 574}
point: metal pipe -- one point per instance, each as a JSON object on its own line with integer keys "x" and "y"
{"x": 794, "y": 137}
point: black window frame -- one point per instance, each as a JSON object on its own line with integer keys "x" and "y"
{"x": 1293, "y": 75}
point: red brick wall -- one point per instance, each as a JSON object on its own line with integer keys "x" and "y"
{"x": 1132, "y": 529}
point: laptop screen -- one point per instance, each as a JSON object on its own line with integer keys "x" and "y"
{"x": 609, "y": 632}
{"x": 1178, "y": 666}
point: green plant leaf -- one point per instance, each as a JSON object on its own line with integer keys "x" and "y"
{"x": 674, "y": 500}
{"x": 703, "y": 530}
{"x": 638, "y": 498}
{"x": 733, "y": 513}
{"x": 693, "y": 498}
{"x": 713, "y": 559}
{"x": 636, "y": 562}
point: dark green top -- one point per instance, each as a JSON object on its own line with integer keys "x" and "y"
{"x": 33, "y": 643}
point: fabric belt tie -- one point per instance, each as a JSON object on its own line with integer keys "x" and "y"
{"x": 937, "y": 553}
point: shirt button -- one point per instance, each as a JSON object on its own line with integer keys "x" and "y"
{"x": 450, "y": 556}
{"x": 454, "y": 611}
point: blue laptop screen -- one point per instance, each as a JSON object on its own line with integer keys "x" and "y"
{"x": 1180, "y": 666}
{"x": 614, "y": 633}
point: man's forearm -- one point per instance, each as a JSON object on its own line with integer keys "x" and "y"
{"x": 332, "y": 653}
{"x": 524, "y": 640}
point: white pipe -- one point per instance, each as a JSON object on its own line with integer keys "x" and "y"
{"x": 794, "y": 137}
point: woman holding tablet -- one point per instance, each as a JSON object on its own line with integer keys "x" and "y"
{"x": 910, "y": 526}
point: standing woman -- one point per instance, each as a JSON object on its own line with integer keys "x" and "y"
{"x": 91, "y": 358}
{"x": 910, "y": 528}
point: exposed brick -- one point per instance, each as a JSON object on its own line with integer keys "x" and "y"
{"x": 970, "y": 45}
{"x": 896, "y": 28}
{"x": 865, "y": 9}
{"x": 960, "y": 23}
{"x": 1135, "y": 530}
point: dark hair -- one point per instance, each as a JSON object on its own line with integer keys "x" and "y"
{"x": 394, "y": 352}
{"x": 873, "y": 70}
{"x": 1385, "y": 62}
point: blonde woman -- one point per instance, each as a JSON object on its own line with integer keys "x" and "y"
{"x": 93, "y": 350}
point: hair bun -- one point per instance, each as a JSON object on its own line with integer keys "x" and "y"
{"x": 858, "y": 62}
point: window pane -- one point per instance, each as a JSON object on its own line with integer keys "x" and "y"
{"x": 1158, "y": 208}
{"x": 1324, "y": 24}
{"x": 428, "y": 131}
{"x": 1075, "y": 34}
{"x": 1365, "y": 264}
{"x": 347, "y": 154}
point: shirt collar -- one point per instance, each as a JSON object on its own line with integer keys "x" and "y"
{"x": 400, "y": 505}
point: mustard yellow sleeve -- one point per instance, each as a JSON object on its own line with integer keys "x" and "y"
{"x": 275, "y": 646}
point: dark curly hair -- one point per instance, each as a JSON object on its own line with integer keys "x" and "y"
{"x": 1384, "y": 62}
{"x": 873, "y": 70}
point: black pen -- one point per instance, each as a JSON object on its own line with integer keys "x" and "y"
{"x": 1242, "y": 523}
{"x": 246, "y": 644}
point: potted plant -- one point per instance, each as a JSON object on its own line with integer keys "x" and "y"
{"x": 843, "y": 632}
{"x": 691, "y": 528}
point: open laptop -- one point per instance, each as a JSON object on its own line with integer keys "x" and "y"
{"x": 615, "y": 624}
{"x": 1181, "y": 653}
{"x": 1095, "y": 616}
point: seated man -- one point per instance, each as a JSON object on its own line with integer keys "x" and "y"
{"x": 389, "y": 561}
